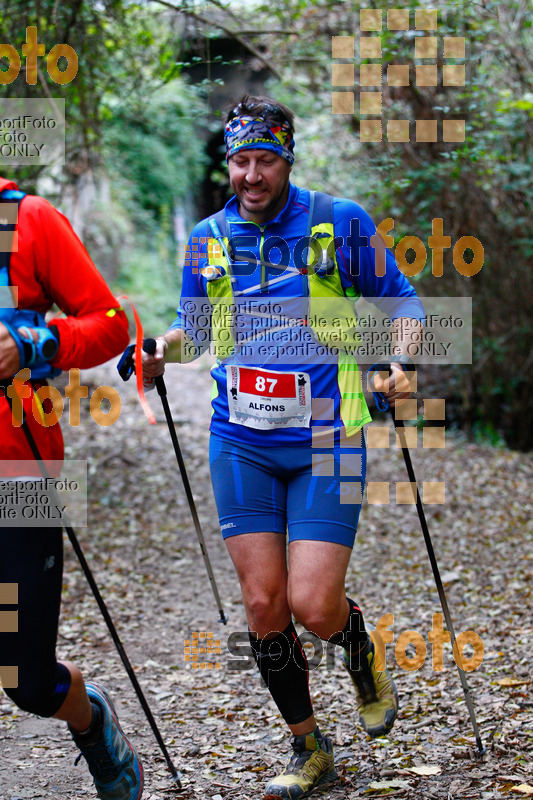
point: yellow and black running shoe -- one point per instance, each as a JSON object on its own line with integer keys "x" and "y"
{"x": 376, "y": 691}
{"x": 310, "y": 768}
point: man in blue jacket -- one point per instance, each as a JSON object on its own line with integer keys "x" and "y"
{"x": 270, "y": 283}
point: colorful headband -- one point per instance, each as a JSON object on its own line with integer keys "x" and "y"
{"x": 245, "y": 133}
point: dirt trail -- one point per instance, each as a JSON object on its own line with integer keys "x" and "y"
{"x": 221, "y": 729}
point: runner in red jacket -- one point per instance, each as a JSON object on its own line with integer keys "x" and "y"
{"x": 49, "y": 265}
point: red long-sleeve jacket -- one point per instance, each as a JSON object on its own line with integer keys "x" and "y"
{"x": 52, "y": 266}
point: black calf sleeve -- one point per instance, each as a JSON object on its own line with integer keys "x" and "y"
{"x": 354, "y": 637}
{"x": 32, "y": 558}
{"x": 283, "y": 666}
{"x": 41, "y": 697}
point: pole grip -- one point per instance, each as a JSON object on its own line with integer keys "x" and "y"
{"x": 149, "y": 346}
{"x": 379, "y": 398}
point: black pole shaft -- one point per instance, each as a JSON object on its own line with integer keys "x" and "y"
{"x": 162, "y": 391}
{"x": 400, "y": 429}
{"x": 103, "y": 608}
{"x": 122, "y": 653}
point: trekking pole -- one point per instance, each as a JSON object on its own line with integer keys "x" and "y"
{"x": 176, "y": 775}
{"x": 383, "y": 405}
{"x": 125, "y": 368}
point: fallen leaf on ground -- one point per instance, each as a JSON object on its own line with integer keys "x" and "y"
{"x": 394, "y": 784}
{"x": 424, "y": 770}
{"x": 512, "y": 682}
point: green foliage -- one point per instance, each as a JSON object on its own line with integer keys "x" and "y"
{"x": 485, "y": 433}
{"x": 156, "y": 162}
{"x": 153, "y": 145}
{"x": 131, "y": 127}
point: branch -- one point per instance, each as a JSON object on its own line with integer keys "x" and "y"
{"x": 226, "y": 10}
{"x": 49, "y": 94}
{"x": 307, "y": 59}
{"x": 232, "y": 34}
{"x": 264, "y": 33}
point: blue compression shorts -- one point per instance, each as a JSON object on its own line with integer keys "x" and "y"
{"x": 315, "y": 492}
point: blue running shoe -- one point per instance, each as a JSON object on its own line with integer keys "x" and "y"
{"x": 112, "y": 761}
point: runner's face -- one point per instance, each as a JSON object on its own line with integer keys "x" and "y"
{"x": 260, "y": 179}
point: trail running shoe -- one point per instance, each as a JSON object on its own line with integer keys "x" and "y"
{"x": 112, "y": 761}
{"x": 310, "y": 768}
{"x": 378, "y": 697}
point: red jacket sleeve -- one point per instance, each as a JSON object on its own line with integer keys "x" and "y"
{"x": 53, "y": 266}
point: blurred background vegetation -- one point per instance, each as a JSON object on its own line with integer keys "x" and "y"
{"x": 144, "y": 155}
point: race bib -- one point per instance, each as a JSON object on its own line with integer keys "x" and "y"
{"x": 263, "y": 399}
